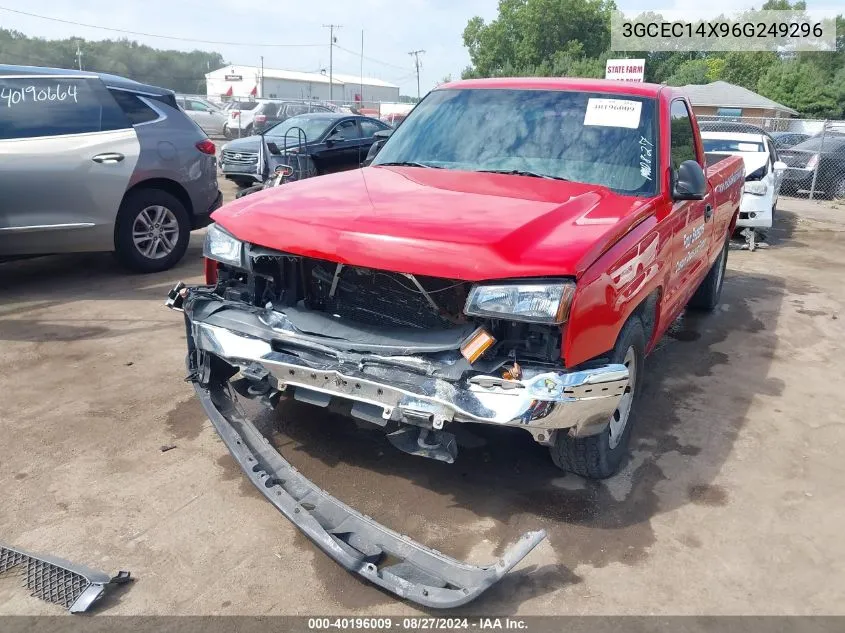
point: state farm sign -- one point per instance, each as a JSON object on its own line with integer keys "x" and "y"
{"x": 625, "y": 69}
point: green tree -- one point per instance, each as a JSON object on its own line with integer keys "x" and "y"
{"x": 802, "y": 86}
{"x": 527, "y": 35}
{"x": 177, "y": 70}
{"x": 690, "y": 72}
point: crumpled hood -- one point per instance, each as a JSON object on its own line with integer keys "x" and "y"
{"x": 752, "y": 160}
{"x": 438, "y": 222}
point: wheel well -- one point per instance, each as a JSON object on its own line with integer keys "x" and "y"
{"x": 648, "y": 312}
{"x": 170, "y": 186}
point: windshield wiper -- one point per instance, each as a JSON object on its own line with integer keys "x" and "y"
{"x": 407, "y": 163}
{"x": 520, "y": 172}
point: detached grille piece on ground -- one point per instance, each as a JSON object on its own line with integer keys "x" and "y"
{"x": 55, "y": 580}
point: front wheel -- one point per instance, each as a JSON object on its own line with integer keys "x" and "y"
{"x": 599, "y": 456}
{"x": 152, "y": 231}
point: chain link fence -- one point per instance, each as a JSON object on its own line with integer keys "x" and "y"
{"x": 812, "y": 149}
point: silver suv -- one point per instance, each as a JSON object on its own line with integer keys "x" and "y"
{"x": 94, "y": 162}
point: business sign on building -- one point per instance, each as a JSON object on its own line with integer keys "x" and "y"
{"x": 625, "y": 69}
{"x": 234, "y": 77}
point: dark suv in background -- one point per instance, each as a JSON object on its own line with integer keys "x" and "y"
{"x": 278, "y": 111}
{"x": 95, "y": 162}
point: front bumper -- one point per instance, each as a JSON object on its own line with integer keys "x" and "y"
{"x": 542, "y": 400}
{"x": 756, "y": 211}
{"x": 355, "y": 541}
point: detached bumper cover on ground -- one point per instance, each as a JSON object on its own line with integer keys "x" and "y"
{"x": 355, "y": 541}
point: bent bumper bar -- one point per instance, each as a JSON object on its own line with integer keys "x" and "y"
{"x": 584, "y": 400}
{"x": 353, "y": 540}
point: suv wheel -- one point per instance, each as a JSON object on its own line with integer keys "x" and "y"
{"x": 152, "y": 231}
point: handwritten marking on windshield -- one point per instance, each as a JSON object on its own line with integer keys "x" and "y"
{"x": 646, "y": 157}
{"x": 35, "y": 94}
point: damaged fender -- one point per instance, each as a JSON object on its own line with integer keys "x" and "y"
{"x": 355, "y": 541}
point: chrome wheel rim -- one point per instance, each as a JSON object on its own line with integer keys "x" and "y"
{"x": 155, "y": 232}
{"x": 619, "y": 419}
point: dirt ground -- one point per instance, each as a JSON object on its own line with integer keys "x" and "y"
{"x": 731, "y": 502}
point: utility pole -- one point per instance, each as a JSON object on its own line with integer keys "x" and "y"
{"x": 362, "y": 68}
{"x": 332, "y": 40}
{"x": 262, "y": 76}
{"x": 78, "y": 56}
{"x": 416, "y": 56}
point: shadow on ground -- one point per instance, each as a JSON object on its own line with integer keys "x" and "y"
{"x": 504, "y": 484}
{"x": 52, "y": 284}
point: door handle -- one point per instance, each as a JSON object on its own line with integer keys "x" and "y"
{"x": 108, "y": 157}
{"x": 708, "y": 213}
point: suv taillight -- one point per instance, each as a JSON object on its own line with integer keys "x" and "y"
{"x": 207, "y": 147}
{"x": 261, "y": 118}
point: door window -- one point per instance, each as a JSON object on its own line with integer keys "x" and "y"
{"x": 295, "y": 109}
{"x": 197, "y": 106}
{"x": 347, "y": 129}
{"x": 369, "y": 128}
{"x": 682, "y": 135}
{"x": 54, "y": 106}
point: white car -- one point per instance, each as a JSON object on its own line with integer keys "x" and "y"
{"x": 763, "y": 173}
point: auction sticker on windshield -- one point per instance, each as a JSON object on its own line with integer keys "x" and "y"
{"x": 613, "y": 113}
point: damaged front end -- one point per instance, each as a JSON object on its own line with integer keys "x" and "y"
{"x": 402, "y": 353}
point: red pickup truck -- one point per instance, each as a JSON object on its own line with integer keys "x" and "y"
{"x": 514, "y": 251}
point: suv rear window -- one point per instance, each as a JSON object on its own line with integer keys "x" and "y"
{"x": 54, "y": 106}
{"x": 136, "y": 110}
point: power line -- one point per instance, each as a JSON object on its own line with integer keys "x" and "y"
{"x": 332, "y": 39}
{"x": 372, "y": 59}
{"x": 165, "y": 37}
{"x": 416, "y": 56}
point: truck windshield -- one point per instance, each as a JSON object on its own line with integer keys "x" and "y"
{"x": 596, "y": 138}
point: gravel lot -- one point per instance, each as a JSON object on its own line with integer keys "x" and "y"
{"x": 731, "y": 502}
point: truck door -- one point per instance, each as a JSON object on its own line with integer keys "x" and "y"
{"x": 693, "y": 226}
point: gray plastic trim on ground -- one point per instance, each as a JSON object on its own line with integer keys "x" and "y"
{"x": 361, "y": 545}
{"x": 53, "y": 579}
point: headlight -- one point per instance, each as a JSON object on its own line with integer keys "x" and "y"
{"x": 757, "y": 188}
{"x": 222, "y": 246}
{"x": 534, "y": 302}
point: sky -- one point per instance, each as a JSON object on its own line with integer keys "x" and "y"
{"x": 391, "y": 29}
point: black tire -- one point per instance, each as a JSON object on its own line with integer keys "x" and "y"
{"x": 706, "y": 297}
{"x": 129, "y": 254}
{"x": 599, "y": 456}
{"x": 837, "y": 192}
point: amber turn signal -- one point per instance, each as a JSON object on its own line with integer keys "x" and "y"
{"x": 477, "y": 343}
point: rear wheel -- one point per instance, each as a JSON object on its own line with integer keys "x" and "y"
{"x": 707, "y": 296}
{"x": 152, "y": 231}
{"x": 599, "y": 456}
{"x": 838, "y": 191}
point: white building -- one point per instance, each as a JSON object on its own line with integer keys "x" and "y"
{"x": 246, "y": 81}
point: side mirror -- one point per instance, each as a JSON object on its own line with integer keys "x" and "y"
{"x": 375, "y": 148}
{"x": 273, "y": 148}
{"x": 780, "y": 165}
{"x": 689, "y": 182}
{"x": 383, "y": 134}
{"x": 334, "y": 138}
